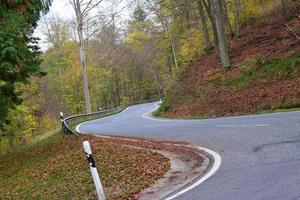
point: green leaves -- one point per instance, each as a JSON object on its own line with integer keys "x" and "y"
{"x": 16, "y": 2}
{"x": 136, "y": 38}
{"x": 139, "y": 14}
{"x": 5, "y": 66}
{"x": 18, "y": 60}
{"x": 9, "y": 53}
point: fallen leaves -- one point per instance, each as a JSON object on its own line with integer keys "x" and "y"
{"x": 204, "y": 90}
{"x": 60, "y": 171}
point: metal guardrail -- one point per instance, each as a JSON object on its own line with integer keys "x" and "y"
{"x": 70, "y": 121}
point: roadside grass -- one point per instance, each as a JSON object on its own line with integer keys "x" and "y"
{"x": 162, "y": 108}
{"x": 237, "y": 85}
{"x": 264, "y": 76}
{"x": 285, "y": 69}
{"x": 283, "y": 107}
{"x": 56, "y": 168}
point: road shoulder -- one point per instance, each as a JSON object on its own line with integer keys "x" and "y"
{"x": 190, "y": 166}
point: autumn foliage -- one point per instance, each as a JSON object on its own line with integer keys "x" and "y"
{"x": 265, "y": 74}
{"x": 56, "y": 168}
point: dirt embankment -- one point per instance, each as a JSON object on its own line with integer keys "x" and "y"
{"x": 129, "y": 168}
{"x": 265, "y": 73}
{"x": 57, "y": 169}
{"x": 188, "y": 165}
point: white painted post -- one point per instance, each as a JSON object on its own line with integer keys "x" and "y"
{"x": 61, "y": 115}
{"x": 95, "y": 175}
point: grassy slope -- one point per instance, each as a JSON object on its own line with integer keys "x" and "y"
{"x": 265, "y": 74}
{"x": 56, "y": 168}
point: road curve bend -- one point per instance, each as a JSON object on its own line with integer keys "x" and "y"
{"x": 260, "y": 153}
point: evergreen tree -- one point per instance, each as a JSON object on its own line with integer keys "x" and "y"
{"x": 139, "y": 14}
{"x": 19, "y": 53}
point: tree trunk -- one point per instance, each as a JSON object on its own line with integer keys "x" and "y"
{"x": 237, "y": 17}
{"x": 224, "y": 13}
{"x": 98, "y": 100}
{"x": 118, "y": 89}
{"x": 285, "y": 8}
{"x": 221, "y": 35}
{"x": 84, "y": 70}
{"x": 170, "y": 65}
{"x": 187, "y": 14}
{"x": 11, "y": 145}
{"x": 61, "y": 84}
{"x": 172, "y": 47}
{"x": 166, "y": 30}
{"x": 243, "y": 8}
{"x": 159, "y": 82}
{"x": 83, "y": 59}
{"x": 204, "y": 25}
{"x": 210, "y": 12}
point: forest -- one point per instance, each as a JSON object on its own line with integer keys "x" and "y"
{"x": 99, "y": 60}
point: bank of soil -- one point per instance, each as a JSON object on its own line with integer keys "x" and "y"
{"x": 265, "y": 73}
{"x": 56, "y": 168}
{"x": 188, "y": 164}
{"x": 130, "y": 168}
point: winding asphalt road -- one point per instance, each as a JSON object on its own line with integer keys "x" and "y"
{"x": 260, "y": 153}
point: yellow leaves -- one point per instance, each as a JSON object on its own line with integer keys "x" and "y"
{"x": 48, "y": 122}
{"x": 136, "y": 38}
{"x": 22, "y": 122}
{"x": 256, "y": 9}
{"x": 191, "y": 45}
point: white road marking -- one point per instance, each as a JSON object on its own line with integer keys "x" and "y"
{"x": 243, "y": 125}
{"x": 216, "y": 165}
{"x": 215, "y": 155}
{"x": 148, "y": 115}
{"x": 114, "y": 120}
{"x": 261, "y": 125}
{"x": 212, "y": 171}
{"x": 150, "y": 126}
{"x": 78, "y": 126}
{"x": 125, "y": 110}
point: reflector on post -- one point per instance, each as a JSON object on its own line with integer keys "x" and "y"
{"x": 95, "y": 175}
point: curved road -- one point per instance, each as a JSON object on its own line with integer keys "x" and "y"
{"x": 260, "y": 153}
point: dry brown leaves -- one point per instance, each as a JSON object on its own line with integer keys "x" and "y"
{"x": 60, "y": 170}
{"x": 198, "y": 94}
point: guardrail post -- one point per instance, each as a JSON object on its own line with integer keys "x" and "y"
{"x": 65, "y": 122}
{"x": 61, "y": 115}
{"x": 95, "y": 175}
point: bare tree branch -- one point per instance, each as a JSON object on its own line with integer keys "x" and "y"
{"x": 292, "y": 31}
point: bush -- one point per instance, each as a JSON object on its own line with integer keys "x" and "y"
{"x": 165, "y": 105}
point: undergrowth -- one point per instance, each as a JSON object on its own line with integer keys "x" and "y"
{"x": 285, "y": 69}
{"x": 165, "y": 105}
